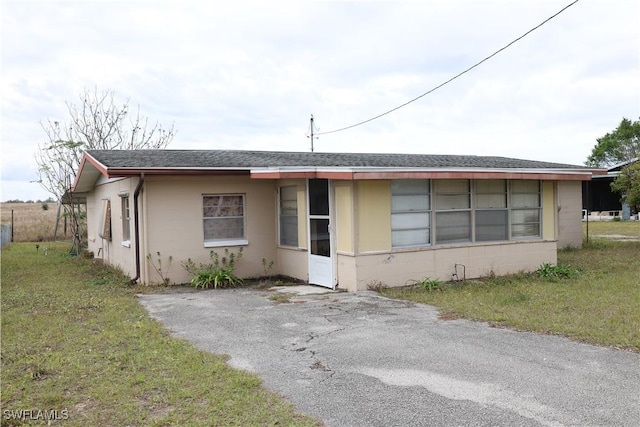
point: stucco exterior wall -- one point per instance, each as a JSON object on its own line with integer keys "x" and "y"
{"x": 374, "y": 261}
{"x": 397, "y": 268}
{"x": 290, "y": 261}
{"x": 112, "y": 252}
{"x": 293, "y": 263}
{"x": 373, "y": 204}
{"x": 174, "y": 225}
{"x": 548, "y": 210}
{"x": 569, "y": 213}
{"x": 343, "y": 191}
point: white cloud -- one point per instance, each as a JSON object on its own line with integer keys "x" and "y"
{"x": 249, "y": 74}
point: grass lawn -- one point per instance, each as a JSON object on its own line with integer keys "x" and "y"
{"x": 599, "y": 306}
{"x": 622, "y": 228}
{"x": 75, "y": 340}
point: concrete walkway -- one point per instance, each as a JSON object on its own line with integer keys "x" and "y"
{"x": 358, "y": 359}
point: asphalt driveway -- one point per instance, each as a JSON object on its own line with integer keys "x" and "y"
{"x": 358, "y": 359}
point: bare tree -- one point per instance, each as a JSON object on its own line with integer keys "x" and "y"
{"x": 97, "y": 123}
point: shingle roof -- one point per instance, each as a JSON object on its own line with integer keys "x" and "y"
{"x": 232, "y": 159}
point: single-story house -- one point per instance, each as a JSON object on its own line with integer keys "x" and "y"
{"x": 599, "y": 202}
{"x": 342, "y": 220}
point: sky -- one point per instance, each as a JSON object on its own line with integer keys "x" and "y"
{"x": 248, "y": 75}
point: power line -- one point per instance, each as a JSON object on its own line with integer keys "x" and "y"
{"x": 454, "y": 77}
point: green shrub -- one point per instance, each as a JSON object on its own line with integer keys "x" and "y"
{"x": 218, "y": 273}
{"x": 427, "y": 283}
{"x": 554, "y": 272}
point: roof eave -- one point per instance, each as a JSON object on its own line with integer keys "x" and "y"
{"x": 129, "y": 172}
{"x": 88, "y": 172}
{"x": 426, "y": 173}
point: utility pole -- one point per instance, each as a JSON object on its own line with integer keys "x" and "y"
{"x": 312, "y": 128}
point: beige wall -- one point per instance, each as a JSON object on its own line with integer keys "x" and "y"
{"x": 301, "y": 185}
{"x": 373, "y": 227}
{"x": 112, "y": 252}
{"x": 375, "y": 262}
{"x": 569, "y": 213}
{"x": 343, "y": 191}
{"x": 397, "y": 268}
{"x": 173, "y": 222}
{"x": 293, "y": 263}
{"x": 171, "y": 217}
{"x": 548, "y": 210}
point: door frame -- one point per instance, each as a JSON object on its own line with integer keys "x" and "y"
{"x": 332, "y": 252}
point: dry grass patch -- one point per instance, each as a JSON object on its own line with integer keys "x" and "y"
{"x": 601, "y": 305}
{"x": 31, "y": 221}
{"x": 74, "y": 338}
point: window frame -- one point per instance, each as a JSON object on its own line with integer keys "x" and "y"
{"x": 518, "y": 190}
{"x": 513, "y": 209}
{"x": 125, "y": 211}
{"x": 399, "y": 213}
{"x": 282, "y": 216}
{"x": 504, "y": 209}
{"x": 210, "y": 242}
{"x": 448, "y": 211}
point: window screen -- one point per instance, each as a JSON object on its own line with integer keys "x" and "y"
{"x": 410, "y": 213}
{"x": 288, "y": 215}
{"x": 453, "y": 211}
{"x": 223, "y": 217}
{"x": 525, "y": 209}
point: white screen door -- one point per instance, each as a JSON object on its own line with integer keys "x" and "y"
{"x": 320, "y": 253}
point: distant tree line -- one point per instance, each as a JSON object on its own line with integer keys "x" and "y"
{"x": 49, "y": 200}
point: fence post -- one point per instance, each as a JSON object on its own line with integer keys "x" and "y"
{"x": 12, "y": 225}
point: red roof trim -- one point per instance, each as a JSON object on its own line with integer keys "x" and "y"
{"x": 128, "y": 172}
{"x": 351, "y": 176}
{"x": 87, "y": 158}
{"x": 545, "y": 176}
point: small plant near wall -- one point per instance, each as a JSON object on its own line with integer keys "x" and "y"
{"x": 376, "y": 286}
{"x": 218, "y": 273}
{"x": 427, "y": 283}
{"x": 555, "y": 272}
{"x": 163, "y": 272}
{"x": 267, "y": 266}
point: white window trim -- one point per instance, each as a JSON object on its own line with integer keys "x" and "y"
{"x": 125, "y": 196}
{"x": 220, "y": 243}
